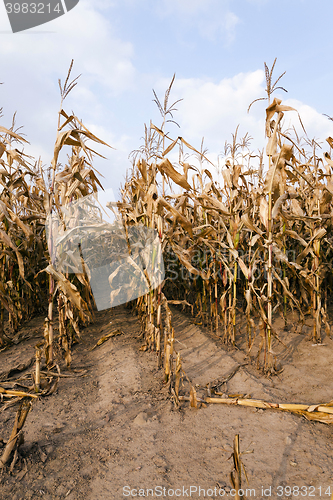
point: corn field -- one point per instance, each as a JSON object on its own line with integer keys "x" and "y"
{"x": 257, "y": 247}
{"x": 30, "y": 284}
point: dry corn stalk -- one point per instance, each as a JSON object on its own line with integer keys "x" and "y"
{"x": 261, "y": 242}
{"x": 236, "y": 474}
{"x": 37, "y": 374}
{"x": 26, "y": 200}
{"x": 16, "y": 437}
{"x": 320, "y": 412}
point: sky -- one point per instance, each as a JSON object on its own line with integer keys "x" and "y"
{"x": 125, "y": 48}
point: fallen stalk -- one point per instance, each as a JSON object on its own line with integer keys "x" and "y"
{"x": 16, "y": 437}
{"x": 309, "y": 411}
{"x": 61, "y": 375}
{"x": 22, "y": 394}
{"x": 257, "y": 403}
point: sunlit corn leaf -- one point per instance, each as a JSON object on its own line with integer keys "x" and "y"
{"x": 70, "y": 291}
{"x": 166, "y": 168}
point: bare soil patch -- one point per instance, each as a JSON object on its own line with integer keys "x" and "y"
{"x": 115, "y": 425}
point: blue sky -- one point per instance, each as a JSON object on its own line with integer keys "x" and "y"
{"x": 125, "y": 48}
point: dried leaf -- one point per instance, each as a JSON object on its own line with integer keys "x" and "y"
{"x": 166, "y": 168}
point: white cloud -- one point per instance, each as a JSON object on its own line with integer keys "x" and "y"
{"x": 317, "y": 126}
{"x": 231, "y": 21}
{"x": 213, "y": 110}
{"x": 32, "y": 61}
{"x": 210, "y": 27}
{"x": 84, "y": 34}
{"x": 211, "y": 19}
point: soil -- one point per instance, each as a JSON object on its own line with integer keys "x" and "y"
{"x": 111, "y": 429}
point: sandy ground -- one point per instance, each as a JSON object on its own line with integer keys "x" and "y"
{"x": 114, "y": 432}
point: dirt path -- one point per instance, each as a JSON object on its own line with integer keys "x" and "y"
{"x": 113, "y": 431}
